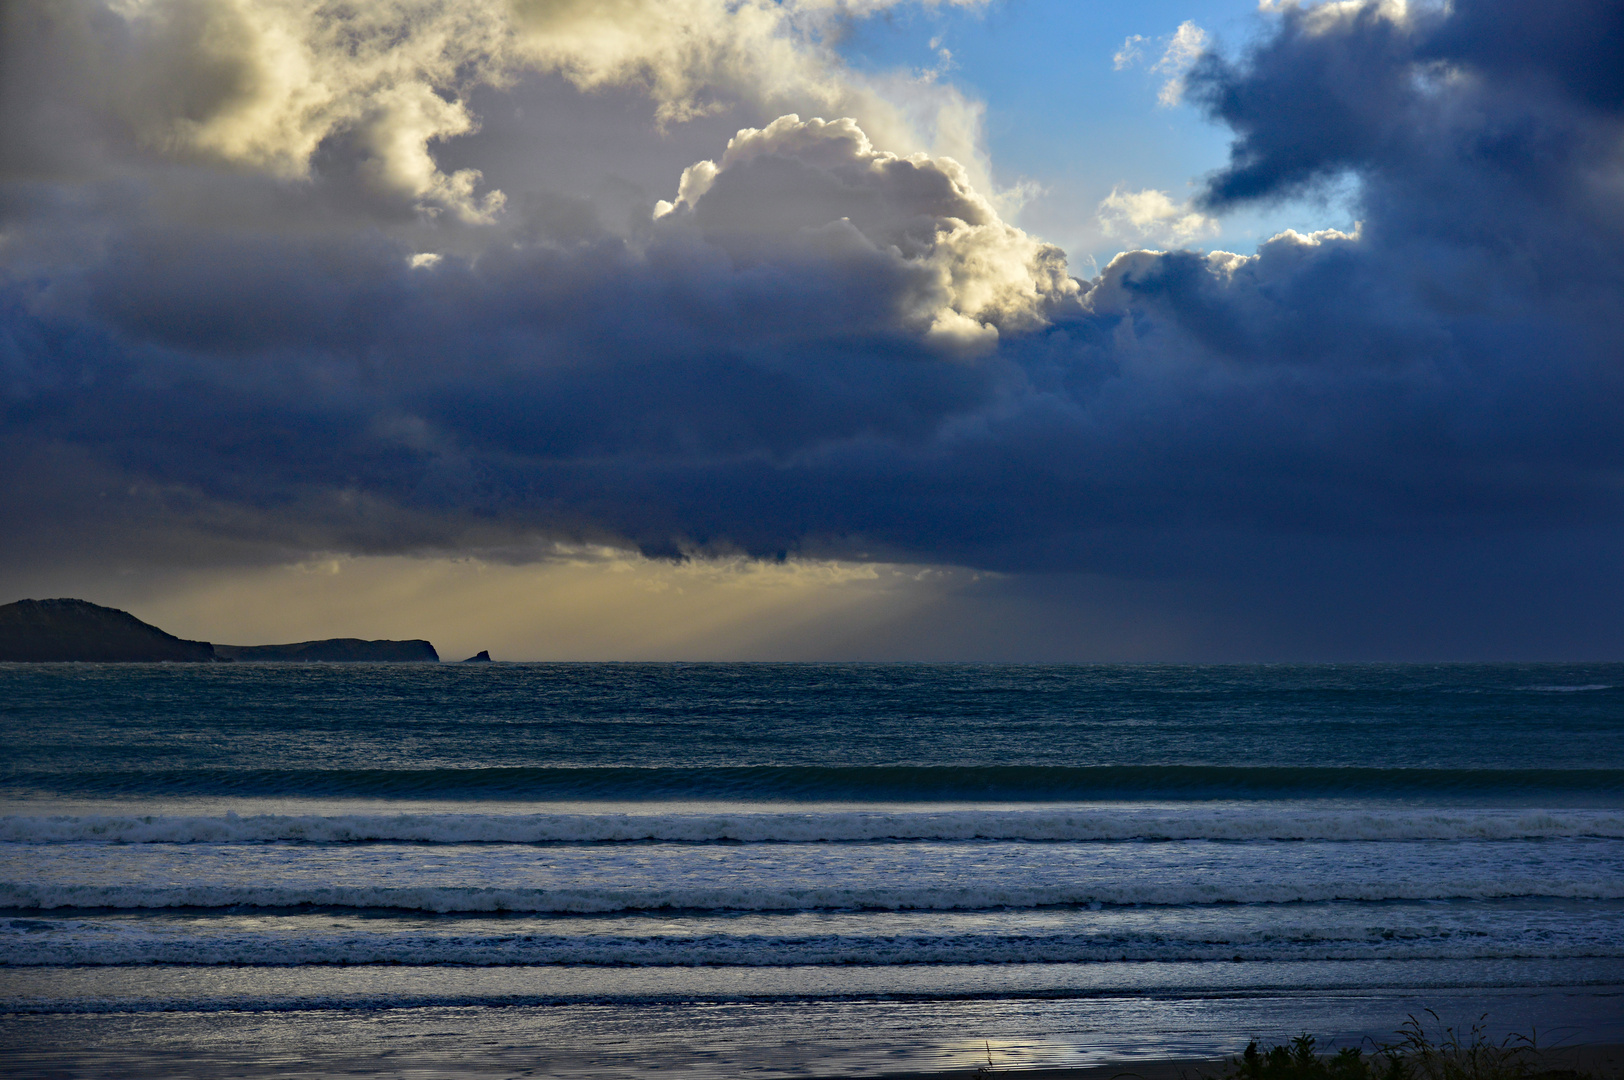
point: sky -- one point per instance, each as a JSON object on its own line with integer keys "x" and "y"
{"x": 821, "y": 329}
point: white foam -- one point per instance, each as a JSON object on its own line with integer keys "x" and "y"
{"x": 812, "y": 827}
{"x": 511, "y": 950}
{"x": 765, "y": 897}
{"x": 1586, "y": 994}
{"x": 1571, "y": 689}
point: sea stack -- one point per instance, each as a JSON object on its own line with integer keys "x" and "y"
{"x": 481, "y": 657}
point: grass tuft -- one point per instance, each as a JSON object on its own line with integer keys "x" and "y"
{"x": 1450, "y": 1054}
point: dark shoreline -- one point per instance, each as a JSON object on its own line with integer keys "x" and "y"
{"x": 1603, "y": 1061}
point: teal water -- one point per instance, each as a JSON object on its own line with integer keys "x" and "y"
{"x": 822, "y": 731}
{"x": 287, "y": 840}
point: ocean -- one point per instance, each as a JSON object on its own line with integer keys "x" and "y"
{"x": 794, "y": 870}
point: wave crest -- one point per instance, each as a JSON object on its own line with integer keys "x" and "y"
{"x": 816, "y": 827}
{"x": 587, "y": 900}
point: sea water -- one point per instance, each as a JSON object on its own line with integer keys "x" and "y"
{"x": 796, "y": 869}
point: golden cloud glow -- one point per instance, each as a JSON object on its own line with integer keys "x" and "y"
{"x": 584, "y": 604}
{"x": 263, "y": 84}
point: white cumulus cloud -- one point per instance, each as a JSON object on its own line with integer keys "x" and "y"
{"x": 266, "y": 85}
{"x": 814, "y": 188}
{"x": 1188, "y": 42}
{"x": 1152, "y": 215}
{"x": 1180, "y": 50}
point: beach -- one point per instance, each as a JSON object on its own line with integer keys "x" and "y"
{"x": 1091, "y": 1040}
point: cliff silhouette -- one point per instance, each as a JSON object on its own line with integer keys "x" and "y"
{"x": 46, "y": 631}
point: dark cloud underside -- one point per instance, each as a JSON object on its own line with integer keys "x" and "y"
{"x": 824, "y": 350}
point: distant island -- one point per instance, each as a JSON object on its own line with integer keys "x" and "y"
{"x": 333, "y": 650}
{"x": 46, "y": 631}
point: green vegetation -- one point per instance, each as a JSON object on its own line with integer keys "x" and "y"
{"x": 1451, "y": 1054}
{"x": 1416, "y": 1055}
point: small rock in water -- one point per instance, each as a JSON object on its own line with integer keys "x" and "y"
{"x": 482, "y": 657}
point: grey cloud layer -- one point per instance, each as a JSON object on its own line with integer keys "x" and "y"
{"x": 819, "y": 346}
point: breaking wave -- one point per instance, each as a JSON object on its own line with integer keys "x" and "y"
{"x": 764, "y": 897}
{"x": 854, "y": 783}
{"x": 504, "y": 950}
{"x": 812, "y": 827}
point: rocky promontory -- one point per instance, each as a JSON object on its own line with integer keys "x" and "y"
{"x": 42, "y": 631}
{"x": 333, "y": 650}
{"x": 46, "y": 631}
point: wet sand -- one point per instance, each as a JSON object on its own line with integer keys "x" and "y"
{"x": 1142, "y": 1037}
{"x": 137, "y": 1064}
{"x": 1601, "y": 1061}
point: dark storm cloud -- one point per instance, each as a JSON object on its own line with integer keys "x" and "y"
{"x": 826, "y": 350}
